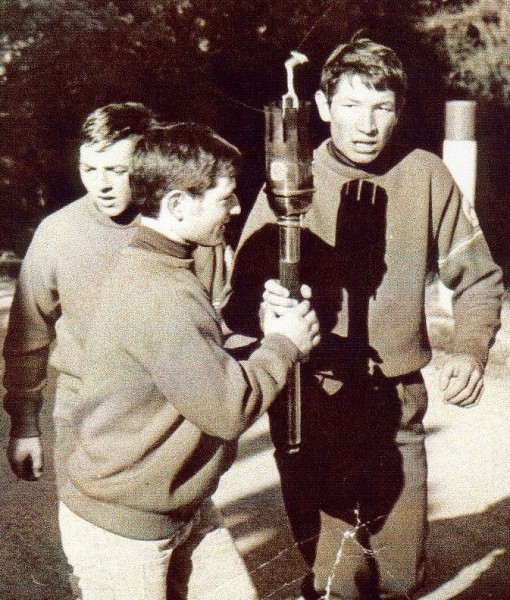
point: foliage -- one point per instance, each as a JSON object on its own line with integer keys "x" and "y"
{"x": 217, "y": 62}
{"x": 475, "y": 39}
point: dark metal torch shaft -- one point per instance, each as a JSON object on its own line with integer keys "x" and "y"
{"x": 290, "y": 235}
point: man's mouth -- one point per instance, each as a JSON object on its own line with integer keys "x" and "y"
{"x": 365, "y": 145}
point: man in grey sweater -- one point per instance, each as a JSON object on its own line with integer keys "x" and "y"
{"x": 382, "y": 220}
{"x": 56, "y": 293}
{"x": 72, "y": 251}
{"x": 162, "y": 403}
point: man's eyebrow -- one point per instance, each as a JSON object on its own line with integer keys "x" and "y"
{"x": 350, "y": 99}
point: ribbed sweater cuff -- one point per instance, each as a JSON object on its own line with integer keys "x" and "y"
{"x": 478, "y": 351}
{"x": 25, "y": 427}
{"x": 282, "y": 345}
{"x": 23, "y": 408}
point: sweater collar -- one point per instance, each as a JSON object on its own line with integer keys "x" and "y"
{"x": 388, "y": 158}
{"x": 321, "y": 219}
{"x": 153, "y": 241}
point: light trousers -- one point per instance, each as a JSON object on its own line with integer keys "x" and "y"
{"x": 201, "y": 562}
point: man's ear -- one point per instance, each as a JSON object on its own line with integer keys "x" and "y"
{"x": 323, "y": 106}
{"x": 173, "y": 203}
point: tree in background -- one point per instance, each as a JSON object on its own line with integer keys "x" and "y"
{"x": 474, "y": 37}
{"x": 474, "y": 40}
{"x": 216, "y": 62}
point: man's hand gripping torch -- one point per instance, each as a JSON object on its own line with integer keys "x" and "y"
{"x": 289, "y": 186}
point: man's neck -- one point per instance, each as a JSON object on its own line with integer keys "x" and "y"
{"x": 163, "y": 229}
{"x": 378, "y": 166}
{"x": 127, "y": 216}
{"x": 152, "y": 236}
{"x": 340, "y": 157}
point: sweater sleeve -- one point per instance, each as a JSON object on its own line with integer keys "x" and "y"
{"x": 34, "y": 311}
{"x": 466, "y": 267}
{"x": 218, "y": 394}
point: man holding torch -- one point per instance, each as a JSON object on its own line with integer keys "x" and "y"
{"x": 382, "y": 220}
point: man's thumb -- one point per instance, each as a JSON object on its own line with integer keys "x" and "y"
{"x": 444, "y": 379}
{"x": 37, "y": 465}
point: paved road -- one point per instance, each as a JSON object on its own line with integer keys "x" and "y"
{"x": 469, "y": 509}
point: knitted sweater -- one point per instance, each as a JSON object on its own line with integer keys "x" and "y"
{"x": 378, "y": 235}
{"x": 162, "y": 403}
{"x": 56, "y": 294}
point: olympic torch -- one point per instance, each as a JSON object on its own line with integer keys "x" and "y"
{"x": 289, "y": 187}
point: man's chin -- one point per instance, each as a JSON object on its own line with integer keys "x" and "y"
{"x": 109, "y": 211}
{"x": 364, "y": 158}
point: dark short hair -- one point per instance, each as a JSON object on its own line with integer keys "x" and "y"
{"x": 377, "y": 65}
{"x": 117, "y": 121}
{"x": 184, "y": 156}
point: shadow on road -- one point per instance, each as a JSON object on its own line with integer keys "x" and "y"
{"x": 461, "y": 544}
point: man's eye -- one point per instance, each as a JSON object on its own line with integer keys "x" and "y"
{"x": 120, "y": 170}
{"x": 87, "y": 169}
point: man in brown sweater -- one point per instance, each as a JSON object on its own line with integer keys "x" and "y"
{"x": 56, "y": 292}
{"x": 382, "y": 220}
{"x": 162, "y": 403}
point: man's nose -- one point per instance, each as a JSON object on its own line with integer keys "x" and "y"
{"x": 234, "y": 206}
{"x": 366, "y": 121}
{"x": 104, "y": 180}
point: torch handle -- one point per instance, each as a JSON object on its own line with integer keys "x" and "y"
{"x": 289, "y": 277}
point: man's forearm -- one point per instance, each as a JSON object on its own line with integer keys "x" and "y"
{"x": 24, "y": 380}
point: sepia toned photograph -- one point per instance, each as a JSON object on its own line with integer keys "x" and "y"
{"x": 254, "y": 300}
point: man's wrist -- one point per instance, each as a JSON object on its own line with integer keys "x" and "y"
{"x": 26, "y": 426}
{"x": 476, "y": 360}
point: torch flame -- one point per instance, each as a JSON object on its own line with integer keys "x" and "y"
{"x": 290, "y": 99}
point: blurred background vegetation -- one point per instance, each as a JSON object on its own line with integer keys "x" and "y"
{"x": 219, "y": 62}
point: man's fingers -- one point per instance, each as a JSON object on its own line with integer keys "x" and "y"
{"x": 310, "y": 316}
{"x": 306, "y": 291}
{"x": 25, "y": 457}
{"x": 316, "y": 340}
{"x": 37, "y": 465}
{"x": 267, "y": 309}
{"x": 277, "y": 300}
{"x": 462, "y": 382}
{"x": 456, "y": 384}
{"x": 275, "y": 287}
{"x": 474, "y": 398}
{"x": 278, "y": 310}
{"x": 462, "y": 387}
{"x": 303, "y": 308}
